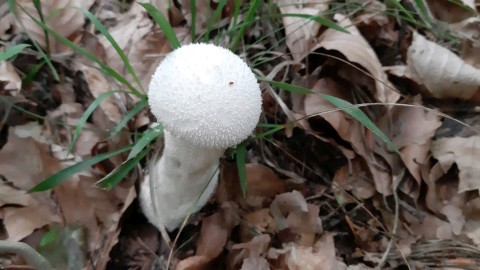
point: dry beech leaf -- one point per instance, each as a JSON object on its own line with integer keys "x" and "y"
{"x": 442, "y": 72}
{"x": 451, "y": 11}
{"x": 357, "y": 50}
{"x": 300, "y": 32}
{"x": 411, "y": 130}
{"x": 319, "y": 257}
{"x": 290, "y": 210}
{"x": 253, "y": 252}
{"x": 213, "y": 236}
{"x": 347, "y": 127}
{"x": 464, "y": 152}
{"x": 355, "y": 179}
{"x": 62, "y": 16}
{"x": 9, "y": 76}
{"x": 98, "y": 84}
{"x": 469, "y": 30}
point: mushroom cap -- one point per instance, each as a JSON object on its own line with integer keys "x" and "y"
{"x": 206, "y": 95}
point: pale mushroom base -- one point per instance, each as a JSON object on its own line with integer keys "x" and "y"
{"x": 185, "y": 177}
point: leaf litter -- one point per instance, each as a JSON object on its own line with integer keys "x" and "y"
{"x": 323, "y": 192}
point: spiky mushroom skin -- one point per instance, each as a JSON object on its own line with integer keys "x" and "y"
{"x": 208, "y": 99}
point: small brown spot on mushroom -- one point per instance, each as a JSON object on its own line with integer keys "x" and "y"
{"x": 230, "y": 83}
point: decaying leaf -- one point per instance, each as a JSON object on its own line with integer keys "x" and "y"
{"x": 442, "y": 72}
{"x": 464, "y": 152}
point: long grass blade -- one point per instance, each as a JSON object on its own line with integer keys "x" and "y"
{"x": 241, "y": 154}
{"x": 147, "y": 137}
{"x": 321, "y": 20}
{"x": 248, "y": 20}
{"x": 81, "y": 122}
{"x": 63, "y": 175}
{"x": 90, "y": 56}
{"x": 115, "y": 45}
{"x": 163, "y": 23}
{"x": 118, "y": 174}
{"x": 12, "y": 51}
{"x": 136, "y": 109}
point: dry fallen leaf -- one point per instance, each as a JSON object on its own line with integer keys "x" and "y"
{"x": 9, "y": 76}
{"x": 442, "y": 72}
{"x": 357, "y": 50}
{"x": 464, "y": 152}
{"x": 213, "y": 237}
{"x": 62, "y": 16}
{"x": 320, "y": 257}
{"x": 301, "y": 32}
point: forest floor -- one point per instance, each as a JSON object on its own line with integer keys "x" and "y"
{"x": 324, "y": 190}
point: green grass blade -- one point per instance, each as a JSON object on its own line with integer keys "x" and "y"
{"x": 193, "y": 6}
{"x": 146, "y": 138}
{"x": 90, "y": 56}
{"x": 321, "y": 20}
{"x": 115, "y": 45}
{"x": 63, "y": 175}
{"x": 85, "y": 116}
{"x": 402, "y": 9}
{"x": 241, "y": 154}
{"x": 119, "y": 173}
{"x": 358, "y": 114}
{"x": 248, "y": 20}
{"x": 288, "y": 87}
{"x": 271, "y": 131}
{"x": 345, "y": 106}
{"x": 12, "y": 51}
{"x": 215, "y": 18}
{"x": 38, "y": 7}
{"x": 136, "y": 109}
{"x": 32, "y": 72}
{"x": 163, "y": 23}
{"x": 13, "y": 9}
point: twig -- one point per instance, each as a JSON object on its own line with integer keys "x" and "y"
{"x": 30, "y": 255}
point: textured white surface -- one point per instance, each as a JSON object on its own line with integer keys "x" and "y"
{"x": 185, "y": 177}
{"x": 207, "y": 95}
{"x": 208, "y": 99}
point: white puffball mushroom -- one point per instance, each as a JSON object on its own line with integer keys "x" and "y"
{"x": 208, "y": 100}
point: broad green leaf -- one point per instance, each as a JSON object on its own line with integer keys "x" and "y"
{"x": 63, "y": 175}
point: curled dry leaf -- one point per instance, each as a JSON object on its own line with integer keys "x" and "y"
{"x": 464, "y": 152}
{"x": 442, "y": 72}
{"x": 357, "y": 50}
{"x": 290, "y": 210}
{"x": 253, "y": 253}
{"x": 469, "y": 30}
{"x": 451, "y": 11}
{"x": 301, "y": 32}
{"x": 62, "y": 16}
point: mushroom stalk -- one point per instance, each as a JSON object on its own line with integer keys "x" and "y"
{"x": 208, "y": 100}
{"x": 184, "y": 178}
